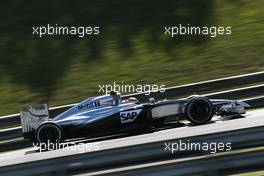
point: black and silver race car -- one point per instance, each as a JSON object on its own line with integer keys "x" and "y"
{"x": 109, "y": 114}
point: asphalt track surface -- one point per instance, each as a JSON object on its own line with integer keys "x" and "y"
{"x": 252, "y": 119}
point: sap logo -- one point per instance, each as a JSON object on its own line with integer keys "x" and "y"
{"x": 129, "y": 116}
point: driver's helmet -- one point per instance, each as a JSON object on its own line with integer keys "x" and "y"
{"x": 132, "y": 100}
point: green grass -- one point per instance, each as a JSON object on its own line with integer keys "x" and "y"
{"x": 143, "y": 62}
{"x": 253, "y": 173}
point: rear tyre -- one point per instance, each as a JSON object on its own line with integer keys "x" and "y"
{"x": 199, "y": 110}
{"x": 49, "y": 134}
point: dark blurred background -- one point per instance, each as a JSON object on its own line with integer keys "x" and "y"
{"x": 131, "y": 47}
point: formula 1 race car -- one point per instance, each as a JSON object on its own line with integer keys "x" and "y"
{"x": 109, "y": 114}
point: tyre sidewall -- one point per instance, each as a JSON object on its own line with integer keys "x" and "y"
{"x": 45, "y": 125}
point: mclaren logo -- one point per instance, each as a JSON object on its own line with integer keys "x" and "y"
{"x": 129, "y": 116}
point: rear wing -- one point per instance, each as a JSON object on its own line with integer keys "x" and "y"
{"x": 33, "y": 116}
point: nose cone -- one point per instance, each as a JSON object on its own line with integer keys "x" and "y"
{"x": 244, "y": 104}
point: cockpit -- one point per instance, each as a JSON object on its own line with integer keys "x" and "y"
{"x": 117, "y": 99}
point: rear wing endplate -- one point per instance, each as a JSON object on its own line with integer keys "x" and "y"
{"x": 33, "y": 116}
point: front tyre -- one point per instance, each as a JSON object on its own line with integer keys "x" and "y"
{"x": 199, "y": 110}
{"x": 49, "y": 133}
